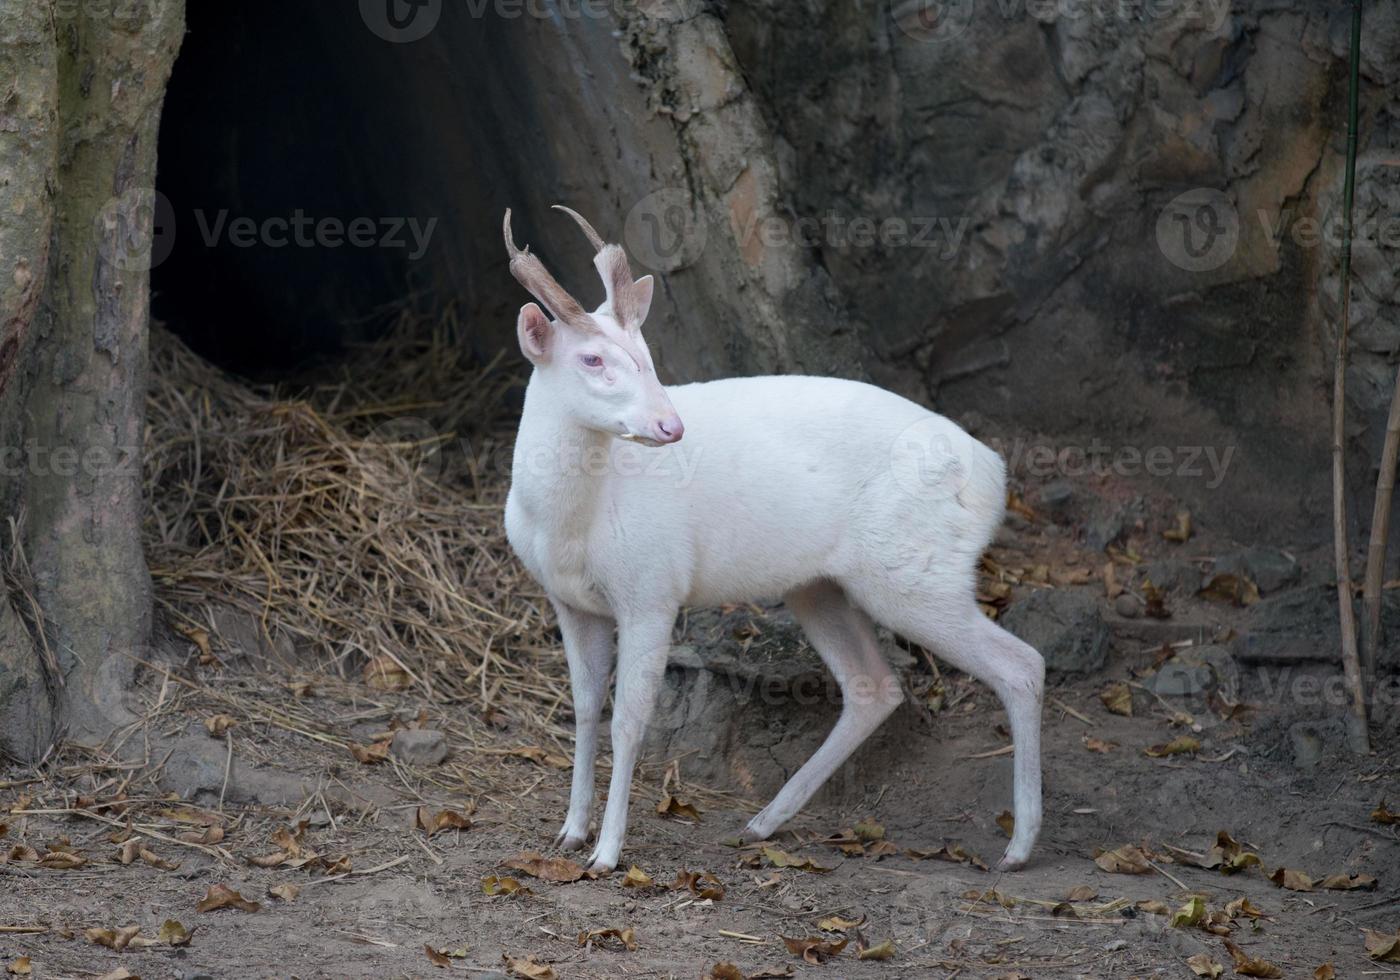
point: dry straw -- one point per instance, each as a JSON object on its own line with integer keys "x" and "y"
{"x": 350, "y": 520}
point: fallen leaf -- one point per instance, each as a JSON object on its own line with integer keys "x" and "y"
{"x": 22, "y": 854}
{"x": 1293, "y": 880}
{"x": 976, "y": 896}
{"x": 637, "y": 878}
{"x": 1325, "y": 972}
{"x": 173, "y": 933}
{"x": 1097, "y": 744}
{"x": 1111, "y": 586}
{"x": 1345, "y": 882}
{"x": 541, "y": 756}
{"x": 1180, "y": 532}
{"x": 670, "y": 806}
{"x": 1118, "y": 698}
{"x": 1153, "y": 906}
{"x": 58, "y": 860}
{"x": 814, "y": 949}
{"x": 372, "y": 754}
{"x": 724, "y": 971}
{"x": 1243, "y": 906}
{"x": 118, "y": 939}
{"x": 703, "y": 885}
{"x": 1082, "y": 893}
{"x": 609, "y": 939}
{"x": 1181, "y": 745}
{"x": 782, "y": 859}
{"x": 1247, "y": 966}
{"x": 834, "y": 923}
{"x": 880, "y": 951}
{"x": 20, "y": 967}
{"x": 120, "y": 973}
{"x": 556, "y": 869}
{"x": 287, "y": 891}
{"x": 957, "y": 854}
{"x": 1229, "y": 855}
{"x": 199, "y": 637}
{"x": 492, "y": 885}
{"x": 1381, "y": 946}
{"x": 1235, "y": 589}
{"x": 384, "y": 673}
{"x": 529, "y": 968}
{"x": 224, "y": 897}
{"x": 1383, "y": 815}
{"x": 1189, "y": 915}
{"x": 1006, "y": 822}
{"x": 436, "y": 958}
{"x": 868, "y": 830}
{"x": 218, "y": 725}
{"x": 1203, "y": 966}
{"x": 155, "y": 861}
{"x": 1126, "y": 860}
{"x": 435, "y": 823}
{"x": 1154, "y": 601}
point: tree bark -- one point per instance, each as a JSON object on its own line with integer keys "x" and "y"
{"x": 79, "y": 131}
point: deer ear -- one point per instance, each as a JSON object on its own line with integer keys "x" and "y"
{"x": 636, "y": 303}
{"x": 535, "y": 332}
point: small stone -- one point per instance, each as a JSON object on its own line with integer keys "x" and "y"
{"x": 1065, "y": 625}
{"x": 1177, "y": 678}
{"x": 1104, "y": 528}
{"x": 1057, "y": 498}
{"x": 1127, "y": 606}
{"x": 419, "y": 746}
{"x": 1313, "y": 741}
{"x": 1173, "y": 575}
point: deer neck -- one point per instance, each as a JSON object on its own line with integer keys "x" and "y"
{"x": 560, "y": 466}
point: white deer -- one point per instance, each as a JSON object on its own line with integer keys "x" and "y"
{"x": 849, "y": 502}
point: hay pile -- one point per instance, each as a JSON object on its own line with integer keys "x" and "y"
{"x": 351, "y": 519}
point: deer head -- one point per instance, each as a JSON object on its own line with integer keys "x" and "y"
{"x": 595, "y": 365}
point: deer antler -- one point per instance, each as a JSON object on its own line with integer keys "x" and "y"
{"x": 611, "y": 263}
{"x": 530, "y": 272}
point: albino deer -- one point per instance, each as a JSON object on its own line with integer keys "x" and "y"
{"x": 849, "y": 502}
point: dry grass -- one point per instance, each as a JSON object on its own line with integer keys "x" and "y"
{"x": 350, "y": 521}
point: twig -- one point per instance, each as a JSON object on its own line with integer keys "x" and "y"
{"x": 1168, "y": 875}
{"x": 228, "y": 768}
{"x": 1358, "y": 734}
{"x": 1380, "y": 539}
{"x": 367, "y": 871}
{"x": 1072, "y": 712}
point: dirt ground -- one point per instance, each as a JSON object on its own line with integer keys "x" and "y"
{"x": 112, "y": 848}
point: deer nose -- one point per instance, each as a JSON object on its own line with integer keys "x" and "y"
{"x": 669, "y": 429}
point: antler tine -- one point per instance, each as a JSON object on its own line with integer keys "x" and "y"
{"x": 593, "y": 237}
{"x": 530, "y": 272}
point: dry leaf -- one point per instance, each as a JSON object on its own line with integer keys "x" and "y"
{"x": 1126, "y": 860}
{"x": 286, "y": 891}
{"x": 224, "y": 897}
{"x": 542, "y": 756}
{"x": 782, "y": 859}
{"x": 120, "y": 973}
{"x": 492, "y": 885}
{"x": 556, "y": 869}
{"x": 155, "y": 861}
{"x": 701, "y": 884}
{"x": 637, "y": 878}
{"x": 1203, "y": 966}
{"x": 384, "y": 673}
{"x": 1235, "y": 589}
{"x": 21, "y": 967}
{"x": 1111, "y": 585}
{"x": 1118, "y": 698}
{"x": 1293, "y": 880}
{"x": 956, "y": 854}
{"x": 1181, "y": 745}
{"x": 670, "y": 806}
{"x": 1381, "y": 946}
{"x": 1006, "y": 822}
{"x": 199, "y": 637}
{"x": 217, "y": 725}
{"x": 814, "y": 949}
{"x": 1243, "y": 906}
{"x": 1247, "y": 966}
{"x": 118, "y": 939}
{"x": 834, "y": 923}
{"x": 880, "y": 951}
{"x": 1383, "y": 815}
{"x": 1097, "y": 744}
{"x": 1189, "y": 915}
{"x": 1229, "y": 855}
{"x": 868, "y": 830}
{"x": 1082, "y": 893}
{"x": 609, "y": 939}
{"x": 1181, "y": 531}
{"x": 1325, "y": 972}
{"x": 372, "y": 754}
{"x": 528, "y": 968}
{"x": 173, "y": 933}
{"x": 1153, "y": 906}
{"x": 724, "y": 971}
{"x": 1345, "y": 882}
{"x": 61, "y": 860}
{"x": 436, "y": 958}
{"x": 435, "y": 823}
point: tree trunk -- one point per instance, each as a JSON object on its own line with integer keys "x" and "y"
{"x": 78, "y": 130}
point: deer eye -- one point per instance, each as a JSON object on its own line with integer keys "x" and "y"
{"x": 591, "y": 360}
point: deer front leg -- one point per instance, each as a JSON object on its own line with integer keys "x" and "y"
{"x": 642, "y": 646}
{"x": 588, "y": 645}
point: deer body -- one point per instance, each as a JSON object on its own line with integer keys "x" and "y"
{"x": 849, "y": 502}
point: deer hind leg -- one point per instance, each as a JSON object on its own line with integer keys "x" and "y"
{"x": 870, "y": 692}
{"x": 958, "y": 633}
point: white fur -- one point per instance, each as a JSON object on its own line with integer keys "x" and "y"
{"x": 849, "y": 502}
